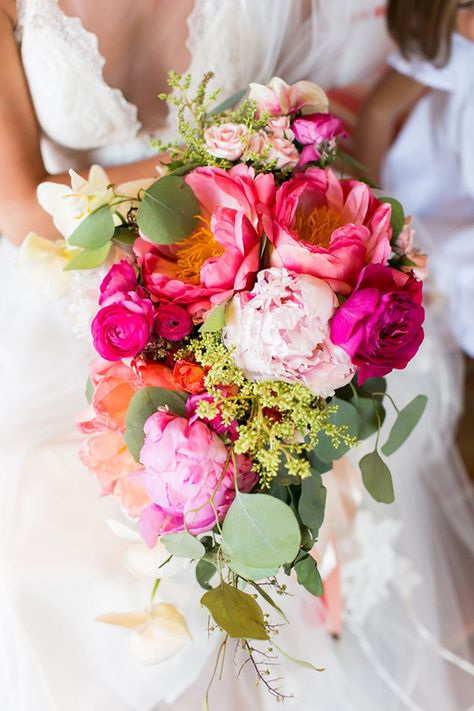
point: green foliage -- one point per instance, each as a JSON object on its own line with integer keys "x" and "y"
{"x": 308, "y": 575}
{"x": 312, "y": 502}
{"x": 215, "y": 321}
{"x": 205, "y": 571}
{"x": 377, "y": 478}
{"x": 144, "y": 403}
{"x": 95, "y": 231}
{"x": 397, "y": 219}
{"x": 403, "y": 426}
{"x": 168, "y": 211}
{"x": 344, "y": 415}
{"x": 260, "y": 531}
{"x": 125, "y": 235}
{"x": 236, "y": 612}
{"x": 88, "y": 258}
{"x": 183, "y": 545}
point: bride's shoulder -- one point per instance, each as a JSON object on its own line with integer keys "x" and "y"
{"x": 8, "y": 11}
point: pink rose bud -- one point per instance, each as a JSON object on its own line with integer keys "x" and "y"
{"x": 121, "y": 277}
{"x": 172, "y": 322}
{"x": 226, "y": 141}
{"x": 122, "y": 327}
{"x": 284, "y": 152}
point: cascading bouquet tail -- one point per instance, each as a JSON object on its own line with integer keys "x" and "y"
{"x": 253, "y": 307}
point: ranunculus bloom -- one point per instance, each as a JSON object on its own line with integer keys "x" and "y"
{"x": 280, "y": 331}
{"x": 226, "y": 140}
{"x": 123, "y": 325}
{"x": 189, "y": 376}
{"x": 313, "y": 130}
{"x": 172, "y": 322}
{"x": 380, "y": 324}
{"x": 184, "y": 464}
{"x": 222, "y": 255}
{"x": 278, "y": 98}
{"x": 120, "y": 278}
{"x": 329, "y": 228}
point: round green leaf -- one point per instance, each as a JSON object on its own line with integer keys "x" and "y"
{"x": 250, "y": 573}
{"x": 143, "y": 404}
{"x": 168, "y": 211}
{"x": 377, "y": 478}
{"x": 205, "y": 571}
{"x": 95, "y": 231}
{"x": 371, "y": 412}
{"x": 215, "y": 321}
{"x": 403, "y": 426}
{"x": 235, "y": 612}
{"x": 397, "y": 219}
{"x": 183, "y": 545}
{"x": 312, "y": 502}
{"x": 88, "y": 258}
{"x": 308, "y": 575}
{"x": 260, "y": 531}
{"x": 346, "y": 415}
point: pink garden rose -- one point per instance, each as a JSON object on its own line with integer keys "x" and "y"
{"x": 313, "y": 130}
{"x": 123, "y": 325}
{"x": 283, "y": 151}
{"x": 380, "y": 324}
{"x": 222, "y": 255}
{"x": 183, "y": 464}
{"x": 329, "y": 228}
{"x": 280, "y": 127}
{"x": 281, "y": 331}
{"x": 121, "y": 278}
{"x": 277, "y": 98}
{"x": 172, "y": 322}
{"x": 226, "y": 140}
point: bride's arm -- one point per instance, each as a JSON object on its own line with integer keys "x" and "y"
{"x": 21, "y": 165}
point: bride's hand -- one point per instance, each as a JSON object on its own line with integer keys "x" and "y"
{"x": 22, "y": 167}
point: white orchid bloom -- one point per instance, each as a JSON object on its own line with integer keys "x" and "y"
{"x": 42, "y": 262}
{"x": 158, "y": 634}
{"x": 144, "y": 561}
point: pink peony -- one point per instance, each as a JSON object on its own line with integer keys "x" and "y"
{"x": 278, "y": 98}
{"x": 121, "y": 278}
{"x": 313, "y": 130}
{"x": 123, "y": 325}
{"x": 184, "y": 464}
{"x": 380, "y": 324}
{"x": 172, "y": 322}
{"x": 329, "y": 228}
{"x": 280, "y": 331}
{"x": 226, "y": 140}
{"x": 222, "y": 255}
{"x": 217, "y": 423}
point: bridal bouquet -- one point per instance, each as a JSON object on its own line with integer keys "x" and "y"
{"x": 253, "y": 307}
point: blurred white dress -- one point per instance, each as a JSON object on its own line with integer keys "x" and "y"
{"x": 59, "y": 564}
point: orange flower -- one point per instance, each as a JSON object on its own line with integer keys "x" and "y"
{"x": 189, "y": 376}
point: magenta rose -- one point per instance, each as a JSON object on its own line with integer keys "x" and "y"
{"x": 184, "y": 463}
{"x": 380, "y": 324}
{"x": 222, "y": 255}
{"x": 123, "y": 325}
{"x": 314, "y": 129}
{"x": 121, "y": 277}
{"x": 329, "y": 228}
{"x": 172, "y": 322}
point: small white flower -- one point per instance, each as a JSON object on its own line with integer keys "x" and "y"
{"x": 42, "y": 261}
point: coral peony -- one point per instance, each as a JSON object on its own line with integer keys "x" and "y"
{"x": 222, "y": 255}
{"x": 280, "y": 331}
{"x": 172, "y": 322}
{"x": 185, "y": 464}
{"x": 123, "y": 325}
{"x": 329, "y": 228}
{"x": 380, "y": 325}
{"x": 278, "y": 98}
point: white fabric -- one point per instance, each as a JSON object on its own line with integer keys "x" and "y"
{"x": 60, "y": 566}
{"x": 439, "y": 133}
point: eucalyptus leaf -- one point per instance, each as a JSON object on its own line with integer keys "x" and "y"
{"x": 260, "y": 531}
{"x": 377, "y": 478}
{"x": 184, "y": 169}
{"x": 124, "y": 235}
{"x": 88, "y": 258}
{"x": 312, "y": 502}
{"x": 251, "y": 573}
{"x": 215, "y": 321}
{"x": 168, "y": 211}
{"x": 397, "y": 219}
{"x": 406, "y": 421}
{"x": 230, "y": 102}
{"x": 144, "y": 403}
{"x": 183, "y": 545}
{"x": 317, "y": 464}
{"x": 308, "y": 575}
{"x": 95, "y": 230}
{"x": 298, "y": 662}
{"x": 371, "y": 412}
{"x": 205, "y": 571}
{"x": 346, "y": 414}
{"x": 236, "y": 612}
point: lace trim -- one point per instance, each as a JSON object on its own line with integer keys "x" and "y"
{"x": 86, "y": 43}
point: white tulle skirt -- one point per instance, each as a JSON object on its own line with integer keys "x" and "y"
{"x": 408, "y": 582}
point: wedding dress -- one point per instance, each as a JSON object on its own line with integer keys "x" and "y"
{"x": 59, "y": 564}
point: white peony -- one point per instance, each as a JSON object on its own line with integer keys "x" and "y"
{"x": 280, "y": 331}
